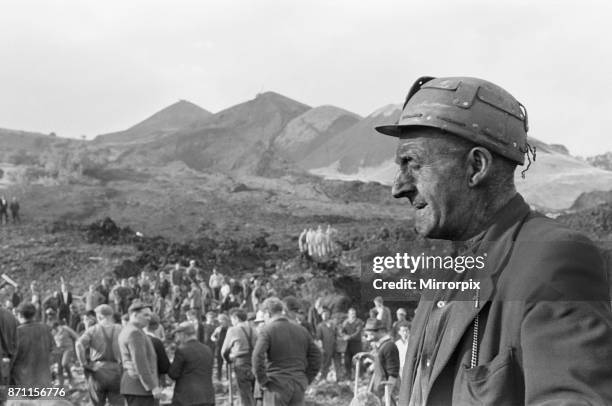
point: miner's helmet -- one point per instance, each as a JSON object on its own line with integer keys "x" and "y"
{"x": 471, "y": 108}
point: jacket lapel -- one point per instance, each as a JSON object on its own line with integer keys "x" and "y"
{"x": 497, "y": 243}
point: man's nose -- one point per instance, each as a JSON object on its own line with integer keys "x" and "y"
{"x": 403, "y": 185}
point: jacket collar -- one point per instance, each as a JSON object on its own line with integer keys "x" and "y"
{"x": 496, "y": 241}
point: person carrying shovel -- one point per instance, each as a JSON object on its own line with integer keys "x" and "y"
{"x": 386, "y": 361}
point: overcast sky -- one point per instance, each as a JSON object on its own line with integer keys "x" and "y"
{"x": 90, "y": 67}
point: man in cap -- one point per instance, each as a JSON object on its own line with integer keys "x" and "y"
{"x": 537, "y": 327}
{"x": 139, "y": 383}
{"x": 285, "y": 359}
{"x": 386, "y": 356}
{"x": 237, "y": 350}
{"x": 101, "y": 342}
{"x": 192, "y": 369}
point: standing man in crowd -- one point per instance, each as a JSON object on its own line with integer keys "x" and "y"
{"x": 403, "y": 332}
{"x": 32, "y": 364}
{"x": 351, "y": 331}
{"x": 326, "y": 340}
{"x": 285, "y": 358}
{"x": 237, "y": 350}
{"x": 383, "y": 313}
{"x": 93, "y": 298}
{"x": 192, "y": 369}
{"x": 14, "y": 207}
{"x": 64, "y": 300}
{"x": 401, "y": 314}
{"x": 215, "y": 282}
{"x": 4, "y": 210}
{"x": 539, "y": 328}
{"x": 139, "y": 383}
{"x": 8, "y": 348}
{"x": 98, "y": 351}
{"x": 386, "y": 357}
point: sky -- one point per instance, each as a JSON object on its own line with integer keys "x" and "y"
{"x": 83, "y": 67}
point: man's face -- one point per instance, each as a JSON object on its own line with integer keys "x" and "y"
{"x": 431, "y": 176}
{"x": 143, "y": 317}
{"x": 401, "y": 315}
{"x": 403, "y": 332}
{"x": 371, "y": 336}
{"x": 352, "y": 315}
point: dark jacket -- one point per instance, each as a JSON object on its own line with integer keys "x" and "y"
{"x": 386, "y": 362}
{"x": 8, "y": 334}
{"x": 285, "y": 351}
{"x": 544, "y": 330}
{"x": 63, "y": 307}
{"x": 192, "y": 370}
{"x": 163, "y": 363}
{"x": 32, "y": 364}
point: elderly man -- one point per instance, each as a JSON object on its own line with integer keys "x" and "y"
{"x": 538, "y": 328}
{"x": 285, "y": 358}
{"x": 192, "y": 369}
{"x": 140, "y": 382}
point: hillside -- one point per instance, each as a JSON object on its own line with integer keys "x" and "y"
{"x": 306, "y": 132}
{"x": 236, "y": 139}
{"x": 19, "y": 147}
{"x": 181, "y": 115}
{"x": 603, "y": 161}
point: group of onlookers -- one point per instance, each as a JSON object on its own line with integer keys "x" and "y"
{"x": 120, "y": 333}
{"x": 6, "y": 207}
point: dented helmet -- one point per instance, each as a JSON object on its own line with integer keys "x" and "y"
{"x": 471, "y": 108}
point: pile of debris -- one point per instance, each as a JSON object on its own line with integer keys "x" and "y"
{"x": 107, "y": 232}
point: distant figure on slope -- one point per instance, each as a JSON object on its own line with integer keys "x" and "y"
{"x": 4, "y": 210}
{"x": 14, "y": 207}
{"x": 319, "y": 241}
{"x": 330, "y": 235}
{"x": 302, "y": 242}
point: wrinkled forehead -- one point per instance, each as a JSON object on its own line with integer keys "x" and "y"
{"x": 428, "y": 143}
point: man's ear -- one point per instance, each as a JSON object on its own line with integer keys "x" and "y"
{"x": 479, "y": 164}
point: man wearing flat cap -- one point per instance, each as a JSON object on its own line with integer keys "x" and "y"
{"x": 538, "y": 329}
{"x": 140, "y": 382}
{"x": 98, "y": 351}
{"x": 386, "y": 356}
{"x": 192, "y": 369}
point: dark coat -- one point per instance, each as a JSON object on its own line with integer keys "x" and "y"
{"x": 544, "y": 323}
{"x": 63, "y": 306}
{"x": 192, "y": 370}
{"x": 285, "y": 351}
{"x": 8, "y": 333}
{"x": 163, "y": 363}
{"x": 32, "y": 363}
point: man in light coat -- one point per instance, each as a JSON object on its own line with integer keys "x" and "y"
{"x": 139, "y": 383}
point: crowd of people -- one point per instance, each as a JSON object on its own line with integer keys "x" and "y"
{"x": 7, "y": 206}
{"x": 317, "y": 243}
{"x": 123, "y": 333}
